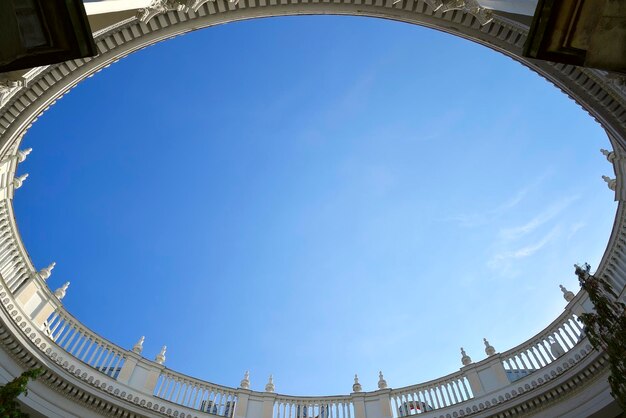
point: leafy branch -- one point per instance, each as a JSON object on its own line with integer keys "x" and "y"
{"x": 606, "y": 328}
{"x": 9, "y": 406}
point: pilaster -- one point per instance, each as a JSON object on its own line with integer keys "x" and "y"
{"x": 486, "y": 376}
{"x": 139, "y": 373}
{"x": 36, "y": 302}
{"x": 241, "y": 408}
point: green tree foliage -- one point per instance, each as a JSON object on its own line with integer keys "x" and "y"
{"x": 606, "y": 328}
{"x": 9, "y": 406}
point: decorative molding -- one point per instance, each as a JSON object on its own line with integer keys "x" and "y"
{"x": 22, "y": 105}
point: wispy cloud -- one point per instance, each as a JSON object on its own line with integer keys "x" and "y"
{"x": 550, "y": 213}
{"x": 478, "y": 219}
{"x": 501, "y": 260}
{"x": 575, "y": 228}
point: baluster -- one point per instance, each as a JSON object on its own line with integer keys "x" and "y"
{"x": 80, "y": 336}
{"x": 102, "y": 351}
{"x": 171, "y": 385}
{"x": 102, "y": 364}
{"x": 567, "y": 339}
{"x": 569, "y": 330}
{"x": 66, "y": 335}
{"x": 183, "y": 392}
{"x": 164, "y": 382}
{"x": 60, "y": 321}
{"x": 533, "y": 358}
{"x": 75, "y": 332}
{"x": 419, "y": 400}
{"x": 176, "y": 388}
{"x": 466, "y": 389}
{"x": 542, "y": 353}
{"x": 521, "y": 359}
{"x": 446, "y": 393}
{"x": 577, "y": 324}
{"x": 107, "y": 360}
{"x": 195, "y": 398}
{"x": 455, "y": 391}
{"x": 179, "y": 388}
{"x": 83, "y": 340}
{"x": 87, "y": 349}
{"x": 50, "y": 320}
{"x": 120, "y": 358}
{"x": 61, "y": 330}
{"x": 437, "y": 397}
{"x": 559, "y": 338}
{"x": 193, "y": 395}
{"x": 95, "y": 350}
{"x": 114, "y": 360}
{"x": 192, "y": 389}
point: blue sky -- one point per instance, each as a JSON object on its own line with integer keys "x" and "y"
{"x": 315, "y": 197}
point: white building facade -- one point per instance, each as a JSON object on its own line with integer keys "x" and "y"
{"x": 555, "y": 373}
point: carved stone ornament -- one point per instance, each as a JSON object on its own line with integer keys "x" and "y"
{"x": 22, "y": 154}
{"x": 270, "y": 385}
{"x": 7, "y": 87}
{"x": 194, "y": 5}
{"x": 160, "y": 358}
{"x": 45, "y": 272}
{"x": 382, "y": 383}
{"x": 138, "y": 347}
{"x": 611, "y": 183}
{"x": 465, "y": 359}
{"x": 356, "y": 387}
{"x": 245, "y": 382}
{"x": 472, "y": 7}
{"x": 61, "y": 291}
{"x": 19, "y": 181}
{"x": 157, "y": 7}
{"x": 489, "y": 350}
{"x": 567, "y": 294}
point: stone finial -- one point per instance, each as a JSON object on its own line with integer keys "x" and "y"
{"x": 567, "y": 295}
{"x": 357, "y": 386}
{"x": 138, "y": 347}
{"x": 489, "y": 350}
{"x": 270, "y": 385}
{"x": 465, "y": 359}
{"x": 22, "y": 154}
{"x": 245, "y": 382}
{"x": 19, "y": 181}
{"x": 61, "y": 291}
{"x": 611, "y": 183}
{"x": 45, "y": 272}
{"x": 160, "y": 358}
{"x": 610, "y": 155}
{"x": 382, "y": 383}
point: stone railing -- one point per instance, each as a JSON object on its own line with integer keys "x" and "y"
{"x": 436, "y": 394}
{"x": 149, "y": 384}
{"x": 85, "y": 345}
{"x": 326, "y": 407}
{"x": 196, "y": 394}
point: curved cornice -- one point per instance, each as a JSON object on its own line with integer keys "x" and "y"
{"x": 594, "y": 90}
